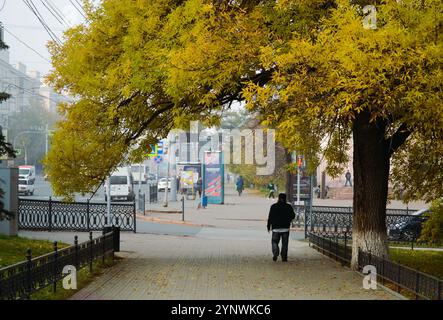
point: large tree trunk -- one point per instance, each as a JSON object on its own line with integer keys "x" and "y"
{"x": 371, "y": 173}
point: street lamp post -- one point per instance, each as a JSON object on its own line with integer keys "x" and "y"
{"x": 46, "y": 132}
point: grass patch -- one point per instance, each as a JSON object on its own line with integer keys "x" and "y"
{"x": 13, "y": 249}
{"x": 84, "y": 277}
{"x": 430, "y": 262}
{"x": 416, "y": 245}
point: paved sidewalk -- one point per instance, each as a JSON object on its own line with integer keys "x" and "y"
{"x": 250, "y": 211}
{"x": 230, "y": 267}
{"x": 231, "y": 260}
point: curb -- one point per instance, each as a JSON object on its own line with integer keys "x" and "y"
{"x": 177, "y": 222}
{"x": 163, "y": 211}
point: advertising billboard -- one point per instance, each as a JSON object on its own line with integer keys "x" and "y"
{"x": 213, "y": 177}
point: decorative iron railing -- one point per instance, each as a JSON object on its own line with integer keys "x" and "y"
{"x": 421, "y": 285}
{"x": 336, "y": 221}
{"x": 78, "y": 216}
{"x": 21, "y": 280}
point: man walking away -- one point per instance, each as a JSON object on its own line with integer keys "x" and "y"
{"x": 280, "y": 217}
{"x": 348, "y": 179}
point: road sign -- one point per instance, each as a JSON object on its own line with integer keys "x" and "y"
{"x": 300, "y": 161}
{"x": 158, "y": 159}
{"x": 154, "y": 151}
{"x": 160, "y": 148}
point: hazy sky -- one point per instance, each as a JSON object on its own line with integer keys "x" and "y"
{"x": 19, "y": 20}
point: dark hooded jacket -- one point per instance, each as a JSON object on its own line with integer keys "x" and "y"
{"x": 280, "y": 216}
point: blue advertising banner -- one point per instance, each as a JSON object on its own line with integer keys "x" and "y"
{"x": 213, "y": 177}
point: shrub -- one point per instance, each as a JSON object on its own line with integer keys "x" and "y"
{"x": 432, "y": 231}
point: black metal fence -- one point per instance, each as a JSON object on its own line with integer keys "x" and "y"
{"x": 153, "y": 193}
{"x": 78, "y": 216}
{"x": 421, "y": 285}
{"x": 337, "y": 221}
{"x": 21, "y": 280}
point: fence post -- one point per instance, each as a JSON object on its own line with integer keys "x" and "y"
{"x": 144, "y": 204}
{"x": 336, "y": 248}
{"x": 439, "y": 289}
{"x": 383, "y": 270}
{"x": 113, "y": 246}
{"x": 398, "y": 277}
{"x": 346, "y": 248}
{"x": 135, "y": 218}
{"x": 323, "y": 245}
{"x": 87, "y": 216}
{"x": 417, "y": 288}
{"x": 183, "y": 209}
{"x": 54, "y": 269}
{"x": 91, "y": 258}
{"x": 50, "y": 214}
{"x": 104, "y": 246}
{"x": 28, "y": 273}
{"x": 77, "y": 263}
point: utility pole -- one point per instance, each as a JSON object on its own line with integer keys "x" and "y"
{"x": 26, "y": 154}
{"x": 139, "y": 179}
{"x": 298, "y": 181}
{"x": 47, "y": 140}
{"x": 167, "y": 180}
{"x": 172, "y": 151}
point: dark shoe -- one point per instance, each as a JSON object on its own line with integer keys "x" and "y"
{"x": 284, "y": 259}
{"x": 275, "y": 258}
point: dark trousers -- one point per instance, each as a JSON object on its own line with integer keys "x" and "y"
{"x": 284, "y": 236}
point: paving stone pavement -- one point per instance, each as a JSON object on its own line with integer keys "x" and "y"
{"x": 231, "y": 261}
{"x": 170, "y": 267}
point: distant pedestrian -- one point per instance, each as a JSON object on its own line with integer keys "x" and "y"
{"x": 348, "y": 177}
{"x": 239, "y": 185}
{"x": 280, "y": 216}
{"x": 318, "y": 191}
{"x": 199, "y": 187}
{"x": 271, "y": 190}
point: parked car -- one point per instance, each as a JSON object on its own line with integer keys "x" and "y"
{"x": 26, "y": 187}
{"x": 162, "y": 184}
{"x": 409, "y": 230}
{"x": 122, "y": 185}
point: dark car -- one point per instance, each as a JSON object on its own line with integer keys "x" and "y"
{"x": 409, "y": 230}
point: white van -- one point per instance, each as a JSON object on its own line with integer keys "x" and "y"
{"x": 26, "y": 187}
{"x": 26, "y": 172}
{"x": 122, "y": 185}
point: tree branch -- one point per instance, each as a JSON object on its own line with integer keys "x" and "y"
{"x": 398, "y": 139}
